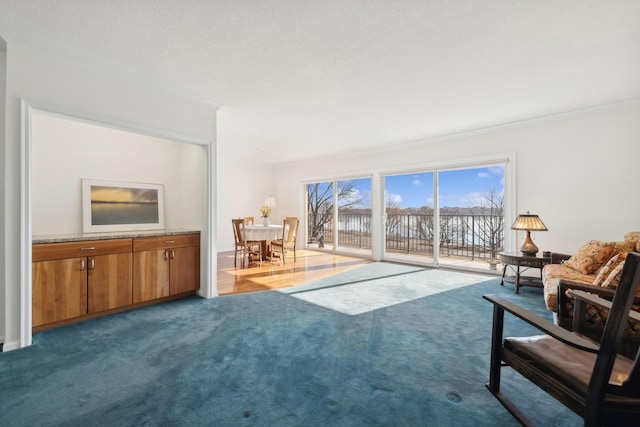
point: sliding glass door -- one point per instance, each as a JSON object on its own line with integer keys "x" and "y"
{"x": 453, "y": 217}
{"x": 409, "y": 216}
{"x": 348, "y": 228}
{"x": 471, "y": 215}
{"x": 447, "y": 216}
{"x": 319, "y": 214}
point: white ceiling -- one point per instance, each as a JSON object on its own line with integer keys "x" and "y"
{"x": 299, "y": 79}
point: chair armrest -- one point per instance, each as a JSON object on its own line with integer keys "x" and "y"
{"x": 565, "y": 307}
{"x": 564, "y": 284}
{"x": 595, "y": 300}
{"x": 606, "y": 293}
{"x": 543, "y": 325}
{"x": 558, "y": 258}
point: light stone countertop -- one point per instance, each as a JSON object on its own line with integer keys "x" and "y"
{"x": 61, "y": 238}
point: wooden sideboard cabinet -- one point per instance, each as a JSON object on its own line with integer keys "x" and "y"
{"x": 165, "y": 265}
{"x": 73, "y": 279}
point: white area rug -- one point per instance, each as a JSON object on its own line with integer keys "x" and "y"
{"x": 379, "y": 285}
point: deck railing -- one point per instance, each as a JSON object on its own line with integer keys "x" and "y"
{"x": 471, "y": 236}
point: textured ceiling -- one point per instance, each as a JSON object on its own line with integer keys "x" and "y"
{"x": 300, "y": 79}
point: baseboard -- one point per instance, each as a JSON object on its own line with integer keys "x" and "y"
{"x": 8, "y": 346}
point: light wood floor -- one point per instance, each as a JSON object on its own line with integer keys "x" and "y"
{"x": 310, "y": 265}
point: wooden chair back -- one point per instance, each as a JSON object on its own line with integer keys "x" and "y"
{"x": 238, "y": 230}
{"x": 242, "y": 244}
{"x": 288, "y": 240}
{"x": 290, "y": 230}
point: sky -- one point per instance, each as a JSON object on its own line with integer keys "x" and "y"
{"x": 458, "y": 188}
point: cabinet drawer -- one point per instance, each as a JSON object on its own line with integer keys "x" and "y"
{"x": 85, "y": 248}
{"x": 162, "y": 242}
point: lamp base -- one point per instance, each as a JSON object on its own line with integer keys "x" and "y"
{"x": 528, "y": 247}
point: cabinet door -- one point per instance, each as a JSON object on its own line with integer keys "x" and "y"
{"x": 110, "y": 281}
{"x": 59, "y": 290}
{"x": 185, "y": 269}
{"x": 150, "y": 275}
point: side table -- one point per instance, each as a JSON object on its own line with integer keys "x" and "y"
{"x": 515, "y": 260}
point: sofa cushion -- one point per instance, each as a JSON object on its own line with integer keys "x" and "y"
{"x": 613, "y": 278}
{"x": 630, "y": 243}
{"x": 591, "y": 256}
{"x": 610, "y": 266}
{"x": 551, "y": 276}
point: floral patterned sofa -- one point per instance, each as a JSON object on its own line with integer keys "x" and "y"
{"x": 594, "y": 268}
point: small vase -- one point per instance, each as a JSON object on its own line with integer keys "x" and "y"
{"x": 266, "y": 222}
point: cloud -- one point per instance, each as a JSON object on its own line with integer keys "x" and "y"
{"x": 495, "y": 171}
{"x": 416, "y": 182}
{"x": 395, "y": 199}
{"x": 473, "y": 199}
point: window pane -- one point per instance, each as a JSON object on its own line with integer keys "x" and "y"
{"x": 319, "y": 214}
{"x": 409, "y": 216}
{"x": 471, "y": 204}
{"x": 354, "y": 215}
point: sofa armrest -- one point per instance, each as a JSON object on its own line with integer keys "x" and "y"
{"x": 558, "y": 258}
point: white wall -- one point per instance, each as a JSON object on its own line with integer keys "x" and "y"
{"x": 577, "y": 171}
{"x": 242, "y": 191}
{"x": 65, "y": 85}
{"x": 65, "y": 151}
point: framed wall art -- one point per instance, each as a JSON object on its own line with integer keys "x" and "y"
{"x": 121, "y": 206}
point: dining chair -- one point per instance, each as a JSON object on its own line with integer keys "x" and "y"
{"x": 288, "y": 240}
{"x": 247, "y": 247}
{"x": 248, "y": 220}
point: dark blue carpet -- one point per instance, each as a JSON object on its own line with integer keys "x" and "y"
{"x": 269, "y": 359}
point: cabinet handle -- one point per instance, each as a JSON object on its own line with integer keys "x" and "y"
{"x": 92, "y": 264}
{"x": 166, "y": 254}
{"x": 173, "y": 254}
{"x": 82, "y": 265}
{"x": 92, "y": 248}
{"x": 169, "y": 241}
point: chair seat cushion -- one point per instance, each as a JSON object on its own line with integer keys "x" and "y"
{"x": 566, "y": 364}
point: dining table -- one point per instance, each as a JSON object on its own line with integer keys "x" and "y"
{"x": 264, "y": 234}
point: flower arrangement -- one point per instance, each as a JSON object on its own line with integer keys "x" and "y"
{"x": 265, "y": 211}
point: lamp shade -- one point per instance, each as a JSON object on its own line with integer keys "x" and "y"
{"x": 528, "y": 222}
{"x": 270, "y": 201}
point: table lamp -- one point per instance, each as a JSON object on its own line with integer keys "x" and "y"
{"x": 270, "y": 201}
{"x": 528, "y": 222}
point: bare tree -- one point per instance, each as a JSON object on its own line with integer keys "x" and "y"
{"x": 490, "y": 222}
{"x": 393, "y": 217}
{"x": 320, "y": 206}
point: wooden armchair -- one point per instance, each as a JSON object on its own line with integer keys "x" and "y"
{"x": 589, "y": 378}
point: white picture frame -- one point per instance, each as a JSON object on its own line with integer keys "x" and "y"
{"x": 121, "y": 206}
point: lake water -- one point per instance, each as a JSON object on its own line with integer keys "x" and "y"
{"x": 124, "y": 213}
